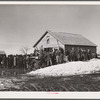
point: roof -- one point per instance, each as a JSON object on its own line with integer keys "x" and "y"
{"x": 68, "y": 39}
{"x": 2, "y": 53}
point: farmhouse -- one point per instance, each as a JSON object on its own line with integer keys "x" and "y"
{"x": 53, "y": 40}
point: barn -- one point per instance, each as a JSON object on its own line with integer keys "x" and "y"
{"x": 53, "y": 40}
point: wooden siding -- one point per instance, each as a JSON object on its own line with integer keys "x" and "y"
{"x": 53, "y": 42}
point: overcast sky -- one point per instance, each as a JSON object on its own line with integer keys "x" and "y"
{"x": 23, "y": 25}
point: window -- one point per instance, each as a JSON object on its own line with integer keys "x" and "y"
{"x": 48, "y": 40}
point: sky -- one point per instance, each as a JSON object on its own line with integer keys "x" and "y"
{"x": 23, "y": 25}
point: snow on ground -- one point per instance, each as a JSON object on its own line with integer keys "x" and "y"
{"x": 70, "y": 68}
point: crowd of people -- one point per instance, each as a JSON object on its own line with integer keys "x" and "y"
{"x": 58, "y": 56}
{"x": 42, "y": 58}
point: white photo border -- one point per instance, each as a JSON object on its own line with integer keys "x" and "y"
{"x": 50, "y": 95}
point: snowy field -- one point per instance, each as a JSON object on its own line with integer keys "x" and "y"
{"x": 70, "y": 68}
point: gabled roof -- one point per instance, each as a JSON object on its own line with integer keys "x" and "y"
{"x": 68, "y": 39}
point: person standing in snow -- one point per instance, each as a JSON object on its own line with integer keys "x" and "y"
{"x": 57, "y": 56}
{"x": 61, "y": 55}
{"x": 42, "y": 56}
{"x": 48, "y": 57}
{"x": 77, "y": 54}
{"x": 85, "y": 54}
{"x": 53, "y": 57}
{"x": 89, "y": 54}
{"x": 67, "y": 54}
{"x": 72, "y": 54}
{"x": 82, "y": 54}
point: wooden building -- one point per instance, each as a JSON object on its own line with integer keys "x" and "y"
{"x": 2, "y": 53}
{"x": 50, "y": 40}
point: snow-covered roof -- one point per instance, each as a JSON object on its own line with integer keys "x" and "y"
{"x": 68, "y": 39}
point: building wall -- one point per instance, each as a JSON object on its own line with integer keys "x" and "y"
{"x": 52, "y": 43}
{"x": 93, "y": 49}
{"x": 55, "y": 44}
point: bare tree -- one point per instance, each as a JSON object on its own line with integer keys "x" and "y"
{"x": 24, "y": 50}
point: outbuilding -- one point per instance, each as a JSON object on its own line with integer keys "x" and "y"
{"x": 2, "y": 53}
{"x": 51, "y": 40}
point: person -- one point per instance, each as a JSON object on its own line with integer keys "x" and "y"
{"x": 48, "y": 57}
{"x": 85, "y": 54}
{"x": 5, "y": 61}
{"x": 89, "y": 54}
{"x": 57, "y": 56}
{"x": 61, "y": 55}
{"x": 61, "y": 50}
{"x": 72, "y": 54}
{"x": 10, "y": 61}
{"x": 93, "y": 55}
{"x": 0, "y": 61}
{"x": 42, "y": 57}
{"x": 14, "y": 61}
{"x": 77, "y": 54}
{"x": 53, "y": 57}
{"x": 36, "y": 53}
{"x": 82, "y": 55}
{"x": 67, "y": 53}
